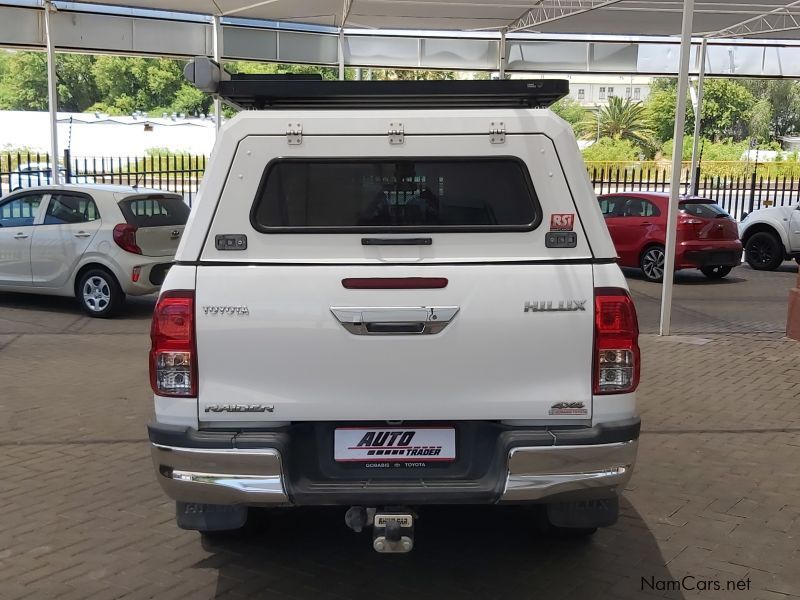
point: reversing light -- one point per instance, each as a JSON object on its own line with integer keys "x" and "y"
{"x": 135, "y": 274}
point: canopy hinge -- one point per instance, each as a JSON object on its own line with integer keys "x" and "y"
{"x": 396, "y": 133}
{"x": 294, "y": 134}
{"x": 497, "y": 132}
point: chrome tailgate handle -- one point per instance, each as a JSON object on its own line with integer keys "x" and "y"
{"x": 401, "y": 320}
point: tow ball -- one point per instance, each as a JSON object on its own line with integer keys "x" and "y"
{"x": 392, "y": 529}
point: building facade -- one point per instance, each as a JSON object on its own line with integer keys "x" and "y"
{"x": 594, "y": 90}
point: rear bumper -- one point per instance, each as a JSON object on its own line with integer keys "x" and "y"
{"x": 695, "y": 254}
{"x": 151, "y": 275}
{"x": 529, "y": 465}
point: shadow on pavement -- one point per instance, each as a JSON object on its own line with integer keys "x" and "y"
{"x": 461, "y": 552}
{"x": 134, "y": 308}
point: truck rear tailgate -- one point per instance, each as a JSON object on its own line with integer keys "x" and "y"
{"x": 270, "y": 342}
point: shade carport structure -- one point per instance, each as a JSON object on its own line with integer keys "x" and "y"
{"x": 772, "y": 20}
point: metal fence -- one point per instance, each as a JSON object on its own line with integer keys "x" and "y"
{"x": 738, "y": 192}
{"x": 179, "y": 173}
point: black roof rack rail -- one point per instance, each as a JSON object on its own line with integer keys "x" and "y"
{"x": 292, "y": 92}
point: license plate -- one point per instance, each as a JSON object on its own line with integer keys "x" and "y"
{"x": 394, "y": 444}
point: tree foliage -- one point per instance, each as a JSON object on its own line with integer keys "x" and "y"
{"x": 24, "y": 83}
{"x": 727, "y": 106}
{"x": 115, "y": 84}
{"x": 783, "y": 97}
{"x": 122, "y": 85}
{"x": 620, "y": 120}
{"x": 570, "y": 110}
{"x": 608, "y": 149}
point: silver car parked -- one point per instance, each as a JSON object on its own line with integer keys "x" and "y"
{"x": 94, "y": 242}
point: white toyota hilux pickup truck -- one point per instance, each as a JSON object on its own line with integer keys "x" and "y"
{"x": 390, "y": 295}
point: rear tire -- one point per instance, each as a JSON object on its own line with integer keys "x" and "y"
{"x": 652, "y": 263}
{"x": 715, "y": 272}
{"x": 99, "y": 294}
{"x": 763, "y": 251}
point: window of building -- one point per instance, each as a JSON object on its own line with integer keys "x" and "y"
{"x": 581, "y": 94}
{"x": 603, "y": 93}
{"x": 628, "y": 92}
{"x": 610, "y": 92}
{"x": 637, "y": 93}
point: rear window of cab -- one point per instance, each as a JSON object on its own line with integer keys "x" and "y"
{"x": 395, "y": 195}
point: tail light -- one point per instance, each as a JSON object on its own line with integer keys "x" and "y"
{"x": 173, "y": 356}
{"x": 125, "y": 237}
{"x": 616, "y": 342}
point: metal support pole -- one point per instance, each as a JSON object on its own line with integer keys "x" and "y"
{"x": 341, "y": 53}
{"x": 216, "y": 39}
{"x": 677, "y": 155}
{"x": 698, "y": 114}
{"x": 501, "y": 51}
{"x": 52, "y": 93}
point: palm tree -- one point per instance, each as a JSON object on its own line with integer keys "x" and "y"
{"x": 620, "y": 119}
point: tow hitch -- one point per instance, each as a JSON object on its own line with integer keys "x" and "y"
{"x": 392, "y": 528}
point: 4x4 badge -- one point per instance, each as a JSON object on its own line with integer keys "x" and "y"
{"x": 569, "y": 408}
{"x": 563, "y": 306}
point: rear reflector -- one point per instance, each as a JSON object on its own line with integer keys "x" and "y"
{"x": 616, "y": 342}
{"x": 173, "y": 356}
{"x": 395, "y": 283}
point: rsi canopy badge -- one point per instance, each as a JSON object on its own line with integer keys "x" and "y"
{"x": 561, "y": 234}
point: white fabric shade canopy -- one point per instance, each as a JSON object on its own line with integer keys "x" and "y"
{"x": 603, "y": 17}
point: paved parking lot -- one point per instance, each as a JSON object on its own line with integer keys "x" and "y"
{"x": 716, "y": 494}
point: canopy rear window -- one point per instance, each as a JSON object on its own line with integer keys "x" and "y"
{"x": 155, "y": 211}
{"x": 395, "y": 195}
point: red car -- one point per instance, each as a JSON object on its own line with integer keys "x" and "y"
{"x": 708, "y": 238}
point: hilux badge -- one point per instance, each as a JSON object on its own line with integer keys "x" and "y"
{"x": 562, "y": 306}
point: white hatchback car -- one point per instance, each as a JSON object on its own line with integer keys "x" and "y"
{"x": 94, "y": 242}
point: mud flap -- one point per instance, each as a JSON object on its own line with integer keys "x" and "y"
{"x": 210, "y": 517}
{"x": 584, "y": 514}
